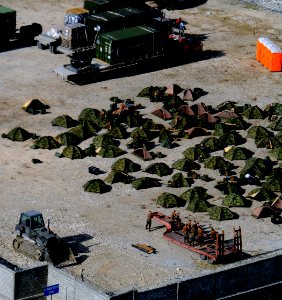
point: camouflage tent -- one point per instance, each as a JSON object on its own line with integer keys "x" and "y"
{"x": 231, "y": 138}
{"x": 118, "y": 132}
{"x": 261, "y": 194}
{"x": 229, "y": 187}
{"x": 139, "y": 143}
{"x": 276, "y": 107}
{"x": 96, "y": 186}
{"x": 259, "y": 132}
{"x": 237, "y": 153}
{"x": 185, "y": 164}
{"x": 145, "y": 183}
{"x": 35, "y": 106}
{"x": 222, "y": 128}
{"x": 226, "y": 114}
{"x": 185, "y": 110}
{"x": 199, "y": 108}
{"x": 45, "y": 142}
{"x": 257, "y": 167}
{"x": 64, "y": 121}
{"x": 273, "y": 184}
{"x": 217, "y": 162}
{"x": 118, "y": 176}
{"x": 277, "y": 153}
{"x": 143, "y": 153}
{"x": 276, "y": 125}
{"x": 195, "y": 152}
{"x": 238, "y": 123}
{"x": 159, "y": 168}
{"x": 278, "y": 136}
{"x": 226, "y": 105}
{"x": 164, "y": 136}
{"x": 68, "y": 139}
{"x": 220, "y": 213}
{"x": 268, "y": 142}
{"x": 235, "y": 200}
{"x": 73, "y": 152}
{"x": 139, "y": 133}
{"x": 90, "y": 151}
{"x": 18, "y": 134}
{"x": 109, "y": 151}
{"x": 254, "y": 112}
{"x": 198, "y": 205}
{"x": 179, "y": 180}
{"x": 103, "y": 140}
{"x": 162, "y": 113}
{"x": 149, "y": 124}
{"x": 262, "y": 212}
{"x": 132, "y": 119}
{"x": 125, "y": 165}
{"x": 81, "y": 131}
{"x": 90, "y": 114}
{"x": 172, "y": 102}
{"x": 168, "y": 200}
{"x": 173, "y": 89}
{"x": 152, "y": 92}
{"x": 195, "y": 131}
{"x": 211, "y": 144}
{"x": 196, "y": 192}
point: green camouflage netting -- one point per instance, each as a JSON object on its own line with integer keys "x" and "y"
{"x": 73, "y": 152}
{"x": 18, "y": 134}
{"x": 125, "y": 165}
{"x": 238, "y": 153}
{"x": 145, "y": 183}
{"x": 45, "y": 142}
{"x": 160, "y": 169}
{"x": 96, "y": 186}
{"x": 234, "y": 200}
{"x": 185, "y": 164}
{"x": 168, "y": 200}
{"x": 220, "y": 213}
{"x": 64, "y": 121}
{"x": 117, "y": 176}
{"x": 261, "y": 194}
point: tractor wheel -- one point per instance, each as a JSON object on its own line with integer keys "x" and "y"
{"x": 16, "y": 244}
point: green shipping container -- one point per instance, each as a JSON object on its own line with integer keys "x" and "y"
{"x": 129, "y": 44}
{"x": 7, "y": 23}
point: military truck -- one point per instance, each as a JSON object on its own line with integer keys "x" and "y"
{"x": 33, "y": 239}
{"x": 9, "y": 32}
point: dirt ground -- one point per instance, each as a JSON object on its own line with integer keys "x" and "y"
{"x": 107, "y": 225}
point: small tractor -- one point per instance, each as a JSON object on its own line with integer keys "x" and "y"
{"x": 40, "y": 243}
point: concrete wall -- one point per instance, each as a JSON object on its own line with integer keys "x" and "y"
{"x": 7, "y": 279}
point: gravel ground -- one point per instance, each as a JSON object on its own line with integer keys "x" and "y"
{"x": 106, "y": 225}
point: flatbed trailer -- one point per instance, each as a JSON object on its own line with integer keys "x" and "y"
{"x": 214, "y": 251}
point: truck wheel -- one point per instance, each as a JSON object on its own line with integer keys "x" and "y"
{"x": 38, "y": 255}
{"x": 53, "y": 49}
{"x": 41, "y": 46}
{"x": 16, "y": 244}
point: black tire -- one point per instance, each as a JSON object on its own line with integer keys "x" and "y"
{"x": 41, "y": 46}
{"x": 53, "y": 49}
{"x": 16, "y": 244}
{"x": 38, "y": 255}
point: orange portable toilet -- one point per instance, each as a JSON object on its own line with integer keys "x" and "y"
{"x": 275, "y": 59}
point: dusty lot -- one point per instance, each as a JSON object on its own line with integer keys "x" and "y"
{"x": 108, "y": 224}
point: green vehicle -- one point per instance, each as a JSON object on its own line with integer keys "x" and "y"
{"x": 9, "y": 32}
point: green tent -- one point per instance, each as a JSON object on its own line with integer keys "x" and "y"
{"x": 73, "y": 152}
{"x": 125, "y": 165}
{"x": 222, "y": 128}
{"x": 273, "y": 185}
{"x": 143, "y": 153}
{"x": 68, "y": 139}
{"x": 235, "y": 200}
{"x": 257, "y": 167}
{"x": 118, "y": 132}
{"x": 226, "y": 105}
{"x": 231, "y": 138}
{"x": 277, "y": 153}
{"x": 35, "y": 106}
{"x": 179, "y": 180}
{"x": 198, "y": 205}
{"x": 254, "y": 112}
{"x": 160, "y": 169}
{"x": 90, "y": 114}
{"x": 217, "y": 162}
{"x": 152, "y": 91}
{"x": 229, "y": 187}
{"x": 118, "y": 176}
{"x": 212, "y": 144}
{"x": 196, "y": 192}
{"x": 268, "y": 142}
{"x": 149, "y": 124}
{"x": 195, "y": 152}
{"x": 18, "y": 134}
{"x": 83, "y": 131}
{"x": 237, "y": 123}
{"x": 220, "y": 213}
{"x": 103, "y": 140}
{"x": 278, "y": 136}
{"x": 276, "y": 107}
{"x": 109, "y": 151}
{"x": 96, "y": 186}
{"x": 64, "y": 121}
{"x": 185, "y": 164}
{"x": 132, "y": 119}
{"x": 145, "y": 183}
{"x": 258, "y": 132}
{"x": 139, "y": 133}
{"x": 261, "y": 194}
{"x": 237, "y": 153}
{"x": 45, "y": 142}
{"x": 168, "y": 200}
{"x": 276, "y": 125}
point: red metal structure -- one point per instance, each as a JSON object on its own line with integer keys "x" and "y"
{"x": 215, "y": 251}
